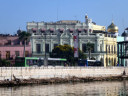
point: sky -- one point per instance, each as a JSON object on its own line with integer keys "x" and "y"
{"x": 15, "y": 14}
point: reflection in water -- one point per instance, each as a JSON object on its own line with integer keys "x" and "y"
{"x": 81, "y": 89}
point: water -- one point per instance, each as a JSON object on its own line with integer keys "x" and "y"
{"x": 114, "y": 88}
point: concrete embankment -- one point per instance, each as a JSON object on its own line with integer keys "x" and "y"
{"x": 21, "y": 82}
{"x": 49, "y": 75}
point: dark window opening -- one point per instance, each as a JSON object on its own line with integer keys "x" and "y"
{"x": 38, "y": 48}
{"x": 55, "y": 45}
{"x": 47, "y": 48}
{"x": 17, "y": 53}
{"x": 84, "y": 47}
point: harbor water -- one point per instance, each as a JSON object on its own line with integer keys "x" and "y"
{"x": 105, "y": 88}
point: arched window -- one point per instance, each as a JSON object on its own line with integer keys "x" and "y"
{"x": 106, "y": 61}
{"x": 106, "y": 48}
{"x": 109, "y": 48}
{"x": 114, "y": 61}
{"x": 112, "y": 48}
{"x": 109, "y": 61}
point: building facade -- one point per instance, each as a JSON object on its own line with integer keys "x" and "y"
{"x": 47, "y": 35}
{"x": 11, "y": 47}
{"x": 123, "y": 49}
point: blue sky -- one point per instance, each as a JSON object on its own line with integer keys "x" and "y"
{"x": 15, "y": 13}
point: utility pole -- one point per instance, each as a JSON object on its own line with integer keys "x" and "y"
{"x": 45, "y": 57}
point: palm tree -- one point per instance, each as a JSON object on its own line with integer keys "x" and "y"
{"x": 24, "y": 36}
{"x": 89, "y": 48}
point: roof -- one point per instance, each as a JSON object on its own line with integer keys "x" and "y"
{"x": 126, "y": 28}
{"x": 124, "y": 34}
{"x": 68, "y": 21}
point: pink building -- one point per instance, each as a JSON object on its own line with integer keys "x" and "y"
{"x": 11, "y": 46}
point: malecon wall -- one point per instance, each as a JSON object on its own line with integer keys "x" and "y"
{"x": 62, "y": 72}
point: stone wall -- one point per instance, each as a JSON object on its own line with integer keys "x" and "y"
{"x": 62, "y": 72}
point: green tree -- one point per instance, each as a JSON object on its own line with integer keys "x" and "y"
{"x": 24, "y": 36}
{"x": 90, "y": 47}
{"x": 66, "y": 51}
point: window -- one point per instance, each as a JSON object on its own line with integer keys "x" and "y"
{"x": 109, "y": 48}
{"x": 26, "y": 53}
{"x": 17, "y": 53}
{"x": 110, "y": 61}
{"x": 112, "y": 48}
{"x": 47, "y": 48}
{"x": 7, "y": 54}
{"x": 38, "y": 48}
{"x": 84, "y": 47}
{"x": 85, "y": 30}
{"x": 17, "y": 42}
{"x": 22, "y": 42}
{"x": 55, "y": 45}
{"x": 8, "y": 42}
{"x": 101, "y": 47}
{"x": 115, "y": 49}
{"x": 92, "y": 50}
{"x": 106, "y": 61}
{"x": 106, "y": 48}
{"x": 90, "y": 46}
{"x": 27, "y": 43}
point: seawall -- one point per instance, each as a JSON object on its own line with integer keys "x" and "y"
{"x": 60, "y": 72}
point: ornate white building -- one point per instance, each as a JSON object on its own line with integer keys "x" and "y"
{"x": 47, "y": 35}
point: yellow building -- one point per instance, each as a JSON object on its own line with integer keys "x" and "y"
{"x": 110, "y": 45}
{"x": 98, "y": 27}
